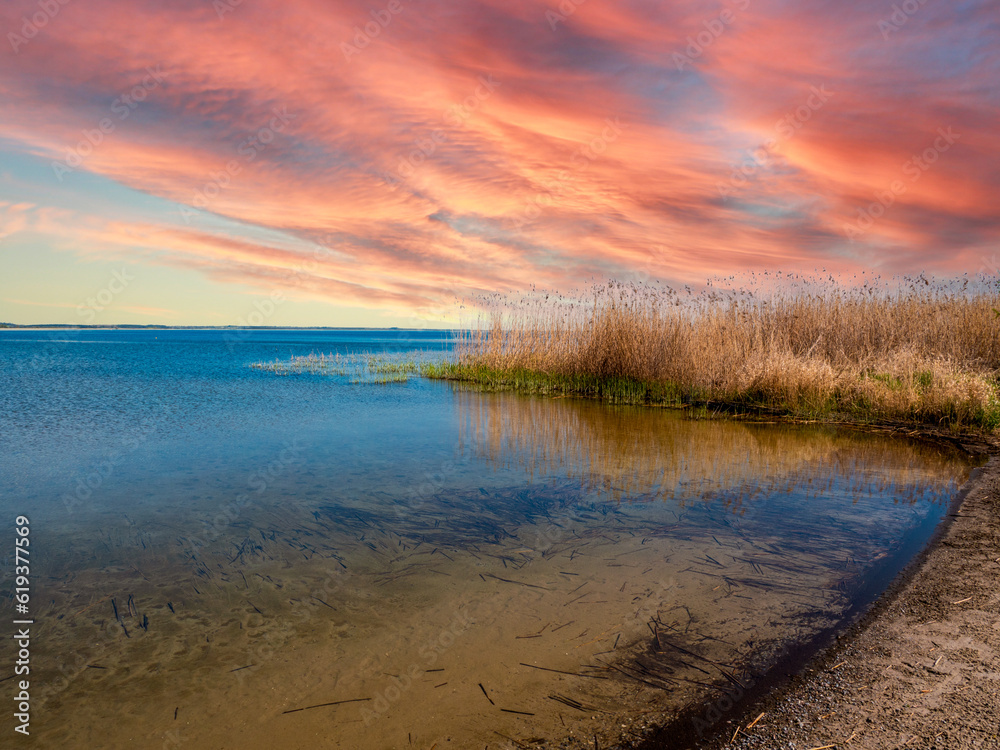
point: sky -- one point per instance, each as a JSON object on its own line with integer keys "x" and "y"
{"x": 342, "y": 163}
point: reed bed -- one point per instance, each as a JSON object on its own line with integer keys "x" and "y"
{"x": 911, "y": 350}
{"x": 358, "y": 368}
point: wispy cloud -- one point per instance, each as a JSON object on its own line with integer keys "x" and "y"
{"x": 395, "y": 173}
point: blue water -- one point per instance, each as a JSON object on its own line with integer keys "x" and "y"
{"x": 75, "y": 401}
{"x": 192, "y": 515}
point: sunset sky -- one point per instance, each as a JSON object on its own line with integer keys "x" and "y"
{"x": 366, "y": 163}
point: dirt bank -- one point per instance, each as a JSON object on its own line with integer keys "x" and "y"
{"x": 920, "y": 670}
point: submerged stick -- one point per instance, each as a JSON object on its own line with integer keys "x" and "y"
{"x": 562, "y": 671}
{"x": 520, "y": 583}
{"x": 486, "y": 694}
{"x": 568, "y": 702}
{"x": 322, "y": 705}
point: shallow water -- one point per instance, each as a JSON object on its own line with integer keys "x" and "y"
{"x": 215, "y": 547}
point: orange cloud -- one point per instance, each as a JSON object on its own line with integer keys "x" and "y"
{"x": 408, "y": 154}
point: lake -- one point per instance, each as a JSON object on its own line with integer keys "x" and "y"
{"x": 223, "y": 555}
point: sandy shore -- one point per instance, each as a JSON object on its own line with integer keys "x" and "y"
{"x": 920, "y": 670}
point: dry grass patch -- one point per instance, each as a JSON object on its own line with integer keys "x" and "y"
{"x": 913, "y": 350}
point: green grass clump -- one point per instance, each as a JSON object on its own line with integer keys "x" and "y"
{"x": 615, "y": 390}
{"x": 357, "y": 369}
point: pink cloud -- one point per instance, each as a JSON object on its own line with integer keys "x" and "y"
{"x": 490, "y": 145}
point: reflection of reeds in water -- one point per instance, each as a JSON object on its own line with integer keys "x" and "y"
{"x": 358, "y": 369}
{"x": 635, "y": 451}
{"x": 797, "y": 540}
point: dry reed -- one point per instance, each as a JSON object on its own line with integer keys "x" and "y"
{"x": 915, "y": 350}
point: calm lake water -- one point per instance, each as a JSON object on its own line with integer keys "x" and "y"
{"x": 224, "y": 557}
